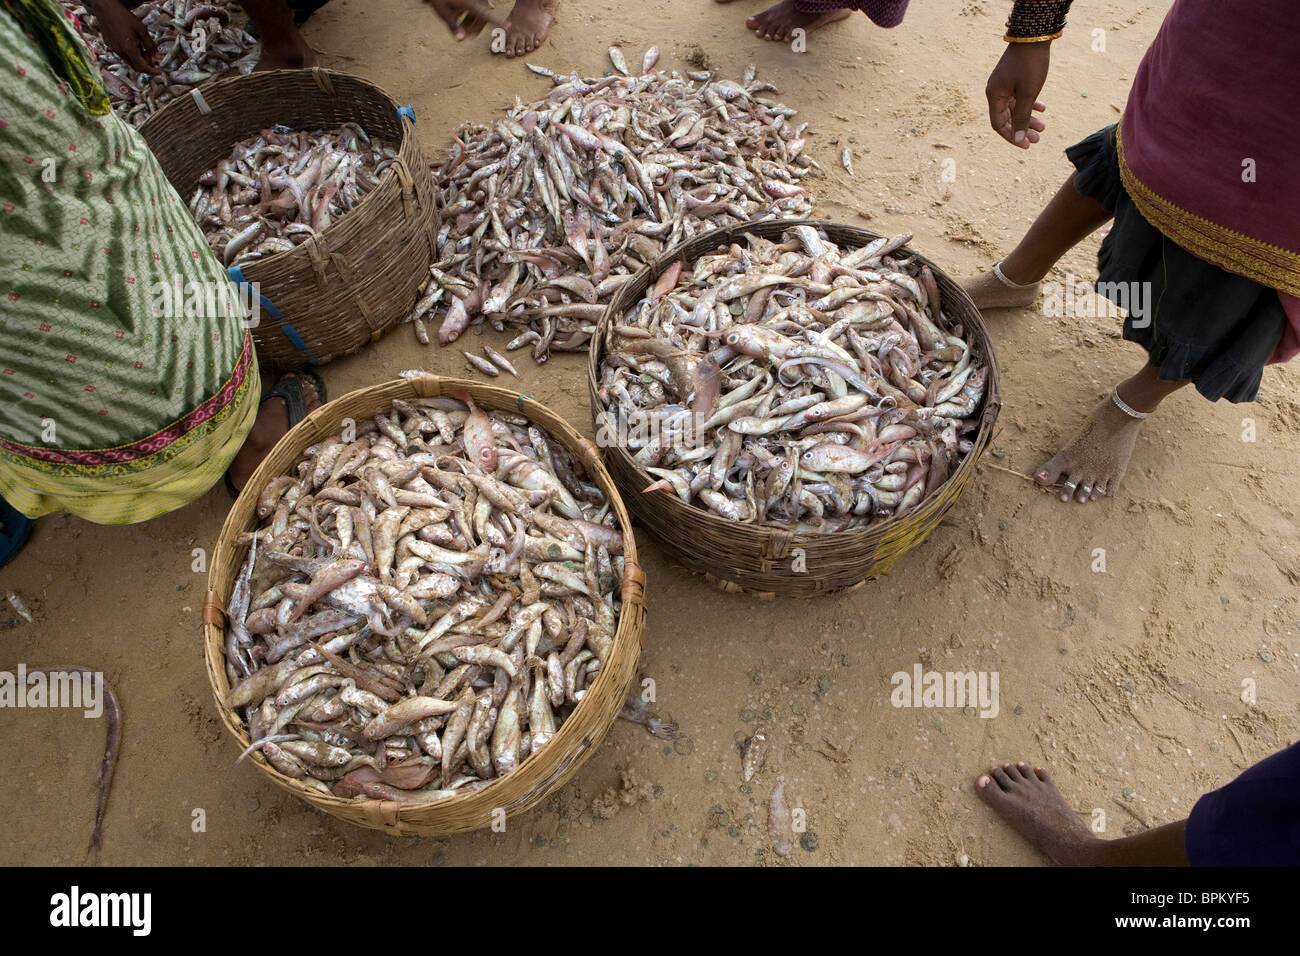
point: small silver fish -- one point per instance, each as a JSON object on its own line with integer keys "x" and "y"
{"x": 616, "y": 57}
{"x": 19, "y": 606}
{"x": 499, "y": 360}
{"x": 482, "y": 364}
{"x": 779, "y": 825}
{"x": 755, "y": 754}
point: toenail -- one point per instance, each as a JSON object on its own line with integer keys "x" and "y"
{"x": 982, "y": 782}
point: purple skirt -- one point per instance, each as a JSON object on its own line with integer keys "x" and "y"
{"x": 883, "y": 13}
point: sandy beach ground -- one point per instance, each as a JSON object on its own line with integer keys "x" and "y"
{"x": 1126, "y": 683}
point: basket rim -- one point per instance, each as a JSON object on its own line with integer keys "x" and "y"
{"x": 631, "y": 610}
{"x": 404, "y": 123}
{"x": 989, "y": 408}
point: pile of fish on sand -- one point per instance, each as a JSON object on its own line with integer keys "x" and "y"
{"x": 424, "y": 603}
{"x": 195, "y": 41}
{"x": 794, "y": 384}
{"x": 281, "y": 187}
{"x": 549, "y": 210}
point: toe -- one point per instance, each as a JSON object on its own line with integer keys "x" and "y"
{"x": 1027, "y": 773}
{"x": 989, "y": 789}
{"x": 1071, "y": 486}
{"x": 1098, "y": 490}
{"x": 1084, "y": 492}
{"x": 1001, "y": 777}
{"x": 1049, "y": 473}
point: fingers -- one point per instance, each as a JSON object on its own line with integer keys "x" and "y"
{"x": 472, "y": 26}
{"x": 147, "y": 50}
{"x": 1021, "y": 109}
{"x": 145, "y": 39}
{"x": 139, "y": 61}
{"x": 449, "y": 14}
{"x": 474, "y": 11}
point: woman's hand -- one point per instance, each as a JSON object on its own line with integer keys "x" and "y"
{"x": 126, "y": 35}
{"x": 1013, "y": 89}
{"x": 463, "y": 17}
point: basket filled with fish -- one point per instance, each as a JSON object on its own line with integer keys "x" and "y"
{"x": 312, "y": 190}
{"x": 789, "y": 407}
{"x": 425, "y": 608}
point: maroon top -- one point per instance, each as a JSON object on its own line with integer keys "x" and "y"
{"x": 1209, "y": 141}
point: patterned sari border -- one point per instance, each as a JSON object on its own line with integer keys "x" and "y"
{"x": 1267, "y": 264}
{"x": 160, "y": 441}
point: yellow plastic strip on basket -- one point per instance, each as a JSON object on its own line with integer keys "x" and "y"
{"x": 908, "y": 534}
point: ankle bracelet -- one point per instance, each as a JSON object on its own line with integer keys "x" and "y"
{"x": 1125, "y": 407}
{"x": 997, "y": 271}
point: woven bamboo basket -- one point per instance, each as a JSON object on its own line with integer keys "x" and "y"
{"x": 539, "y": 774}
{"x": 774, "y": 562}
{"x": 348, "y": 285}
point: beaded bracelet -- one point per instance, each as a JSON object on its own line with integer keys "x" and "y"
{"x": 1033, "y": 21}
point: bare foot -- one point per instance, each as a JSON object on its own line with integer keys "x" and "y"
{"x": 271, "y": 424}
{"x": 1028, "y": 800}
{"x": 987, "y": 291}
{"x": 528, "y": 25}
{"x": 1093, "y": 463}
{"x": 779, "y": 22}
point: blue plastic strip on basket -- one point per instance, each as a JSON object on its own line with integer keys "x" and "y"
{"x": 237, "y": 274}
{"x": 295, "y": 339}
{"x": 408, "y": 111}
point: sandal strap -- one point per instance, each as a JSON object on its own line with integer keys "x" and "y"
{"x": 289, "y": 388}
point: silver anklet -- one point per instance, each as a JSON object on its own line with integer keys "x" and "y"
{"x": 1125, "y": 407}
{"x": 997, "y": 271}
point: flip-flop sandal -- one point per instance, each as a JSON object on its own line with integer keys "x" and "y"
{"x": 289, "y": 388}
{"x": 14, "y": 530}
